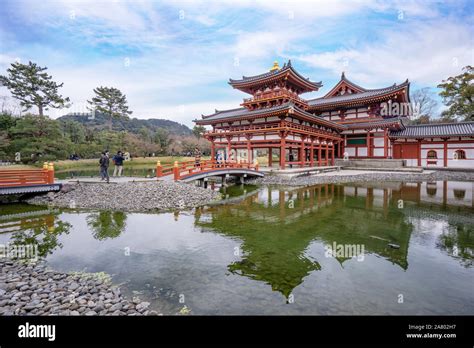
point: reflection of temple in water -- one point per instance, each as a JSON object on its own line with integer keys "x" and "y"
{"x": 277, "y": 226}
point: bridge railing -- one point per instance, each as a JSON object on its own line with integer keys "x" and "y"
{"x": 27, "y": 177}
{"x": 182, "y": 169}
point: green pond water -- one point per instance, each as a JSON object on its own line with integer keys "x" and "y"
{"x": 381, "y": 248}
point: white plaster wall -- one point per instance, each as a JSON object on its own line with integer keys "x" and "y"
{"x": 350, "y": 151}
{"x": 362, "y": 151}
{"x": 432, "y": 146}
{"x": 378, "y": 141}
{"x": 378, "y": 152}
{"x": 467, "y": 163}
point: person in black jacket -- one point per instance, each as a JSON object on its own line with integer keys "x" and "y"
{"x": 104, "y": 166}
{"x": 118, "y": 161}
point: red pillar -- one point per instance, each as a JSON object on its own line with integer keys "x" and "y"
{"x": 319, "y": 153}
{"x": 368, "y": 143}
{"x": 228, "y": 148}
{"x": 311, "y": 153}
{"x": 282, "y": 151}
{"x": 343, "y": 145}
{"x": 270, "y": 157}
{"x": 327, "y": 153}
{"x": 213, "y": 150}
{"x": 249, "y": 152}
{"x": 419, "y": 153}
{"x": 302, "y": 152}
{"x": 332, "y": 153}
{"x": 445, "y": 159}
{"x": 385, "y": 143}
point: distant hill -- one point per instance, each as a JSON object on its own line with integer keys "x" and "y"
{"x": 132, "y": 125}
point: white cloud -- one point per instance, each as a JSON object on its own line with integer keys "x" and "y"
{"x": 426, "y": 53}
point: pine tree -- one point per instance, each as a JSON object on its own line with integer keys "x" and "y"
{"x": 111, "y": 102}
{"x": 32, "y": 86}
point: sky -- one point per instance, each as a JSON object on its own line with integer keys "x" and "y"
{"x": 173, "y": 59}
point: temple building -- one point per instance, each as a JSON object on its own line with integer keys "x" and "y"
{"x": 349, "y": 121}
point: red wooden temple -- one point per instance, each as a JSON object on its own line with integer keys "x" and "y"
{"x": 349, "y": 120}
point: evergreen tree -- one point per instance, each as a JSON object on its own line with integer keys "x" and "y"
{"x": 111, "y": 102}
{"x": 38, "y": 138}
{"x": 199, "y": 131}
{"x": 32, "y": 86}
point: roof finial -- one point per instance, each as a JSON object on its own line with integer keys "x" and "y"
{"x": 343, "y": 75}
{"x": 289, "y": 62}
{"x": 275, "y": 66}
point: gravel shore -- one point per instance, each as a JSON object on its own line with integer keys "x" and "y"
{"x": 33, "y": 289}
{"x": 129, "y": 196}
{"x": 349, "y": 177}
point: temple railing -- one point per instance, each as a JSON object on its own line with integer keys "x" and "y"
{"x": 271, "y": 95}
{"x": 284, "y": 125}
{"x": 27, "y": 177}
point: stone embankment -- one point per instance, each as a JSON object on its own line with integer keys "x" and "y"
{"x": 33, "y": 289}
{"x": 129, "y": 196}
{"x": 349, "y": 176}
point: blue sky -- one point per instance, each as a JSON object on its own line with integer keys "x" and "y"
{"x": 173, "y": 58}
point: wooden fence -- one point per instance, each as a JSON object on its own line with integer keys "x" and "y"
{"x": 27, "y": 177}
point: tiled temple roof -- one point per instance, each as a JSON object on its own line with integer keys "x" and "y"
{"x": 244, "y": 112}
{"x": 347, "y": 98}
{"x": 287, "y": 67}
{"x": 435, "y": 130}
{"x": 376, "y": 123}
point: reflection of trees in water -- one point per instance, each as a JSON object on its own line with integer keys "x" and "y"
{"x": 458, "y": 242}
{"x": 44, "y": 236}
{"x": 107, "y": 224}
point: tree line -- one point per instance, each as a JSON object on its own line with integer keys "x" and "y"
{"x": 36, "y": 137}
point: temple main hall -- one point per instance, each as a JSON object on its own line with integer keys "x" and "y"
{"x": 347, "y": 122}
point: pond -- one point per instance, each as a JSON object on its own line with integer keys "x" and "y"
{"x": 381, "y": 248}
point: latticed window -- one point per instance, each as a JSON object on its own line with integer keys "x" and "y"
{"x": 460, "y": 154}
{"x": 432, "y": 154}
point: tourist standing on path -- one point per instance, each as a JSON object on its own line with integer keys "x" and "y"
{"x": 197, "y": 157}
{"x": 104, "y": 166}
{"x": 118, "y": 161}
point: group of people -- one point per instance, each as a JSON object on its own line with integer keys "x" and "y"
{"x": 104, "y": 163}
{"x": 120, "y": 157}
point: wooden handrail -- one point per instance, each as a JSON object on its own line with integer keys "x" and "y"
{"x": 180, "y": 169}
{"x": 27, "y": 177}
